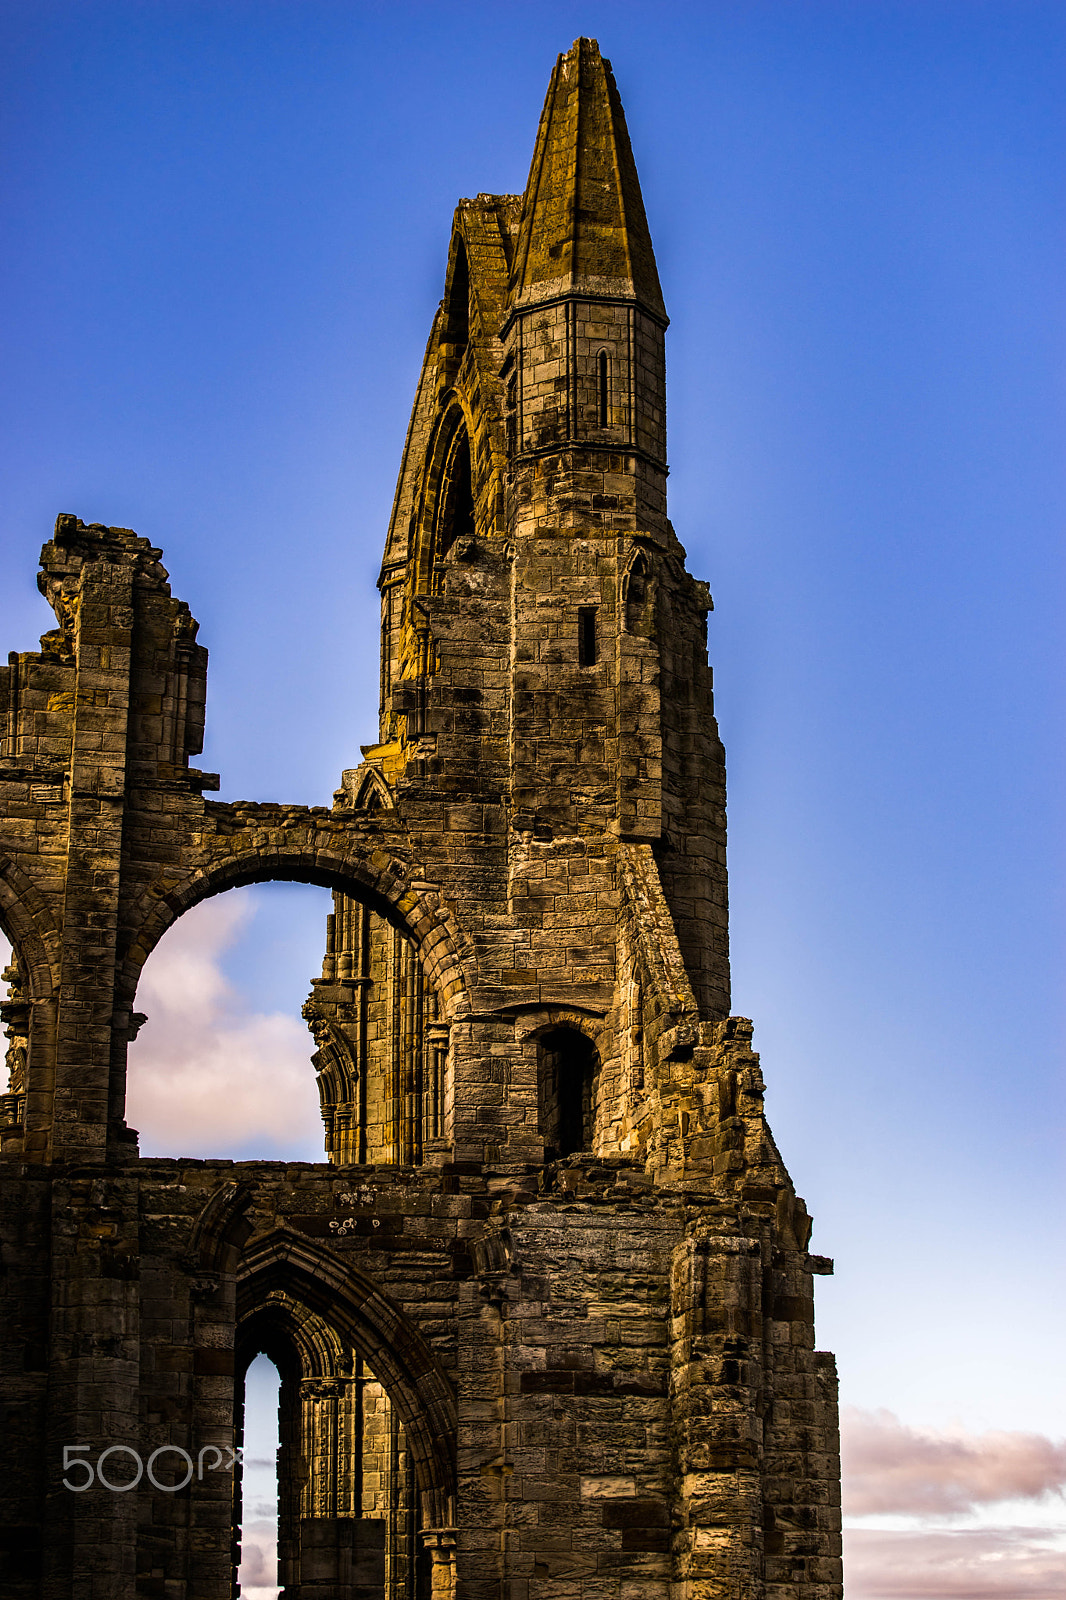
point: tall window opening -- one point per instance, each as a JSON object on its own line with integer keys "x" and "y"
{"x": 256, "y": 1486}
{"x": 636, "y": 595}
{"x": 325, "y": 1503}
{"x": 567, "y": 1073}
{"x": 381, "y": 1043}
{"x": 603, "y": 374}
{"x": 586, "y": 636}
{"x": 456, "y": 327}
{"x": 15, "y": 1016}
{"x": 455, "y": 514}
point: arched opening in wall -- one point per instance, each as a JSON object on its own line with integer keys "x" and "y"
{"x": 636, "y": 596}
{"x": 224, "y": 1065}
{"x": 455, "y": 503}
{"x": 567, "y": 1082}
{"x": 257, "y": 1414}
{"x": 327, "y": 1501}
{"x": 445, "y": 517}
{"x": 15, "y": 1016}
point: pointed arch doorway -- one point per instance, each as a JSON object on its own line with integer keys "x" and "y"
{"x": 366, "y": 1429}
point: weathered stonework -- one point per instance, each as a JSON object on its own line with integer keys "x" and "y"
{"x": 544, "y": 1320}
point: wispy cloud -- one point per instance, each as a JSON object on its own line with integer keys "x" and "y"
{"x": 208, "y": 1076}
{"x": 954, "y": 1564}
{"x": 891, "y": 1468}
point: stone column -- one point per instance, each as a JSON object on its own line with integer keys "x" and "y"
{"x": 715, "y": 1387}
{"x": 440, "y": 1542}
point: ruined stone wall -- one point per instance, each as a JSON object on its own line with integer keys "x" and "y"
{"x": 544, "y": 1319}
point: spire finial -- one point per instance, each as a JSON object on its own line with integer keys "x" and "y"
{"x": 583, "y": 227}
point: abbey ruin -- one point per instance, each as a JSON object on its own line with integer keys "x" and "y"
{"x": 544, "y": 1313}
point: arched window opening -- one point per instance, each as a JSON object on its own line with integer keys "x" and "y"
{"x": 224, "y": 1066}
{"x": 446, "y": 514}
{"x": 255, "y": 1486}
{"x": 636, "y": 596}
{"x": 455, "y": 508}
{"x": 326, "y": 1500}
{"x": 603, "y": 374}
{"x": 567, "y": 1074}
{"x": 15, "y": 1016}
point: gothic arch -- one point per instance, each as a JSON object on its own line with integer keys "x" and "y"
{"x": 338, "y": 1073}
{"x": 637, "y": 594}
{"x": 282, "y": 1328}
{"x": 353, "y": 1306}
{"x": 369, "y": 791}
{"x": 455, "y": 307}
{"x": 221, "y": 1228}
{"x": 452, "y": 434}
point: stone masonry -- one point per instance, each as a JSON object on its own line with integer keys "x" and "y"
{"x": 544, "y": 1315}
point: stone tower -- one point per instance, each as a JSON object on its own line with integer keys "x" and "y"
{"x": 544, "y": 1319}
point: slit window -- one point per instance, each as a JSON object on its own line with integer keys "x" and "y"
{"x": 604, "y": 387}
{"x": 586, "y": 636}
{"x": 512, "y": 414}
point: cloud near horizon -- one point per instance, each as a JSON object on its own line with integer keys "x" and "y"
{"x": 891, "y": 1468}
{"x": 207, "y": 1076}
{"x": 259, "y": 1560}
{"x": 935, "y": 1475}
{"x": 954, "y": 1564}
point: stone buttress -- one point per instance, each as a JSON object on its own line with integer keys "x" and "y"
{"x": 544, "y": 1313}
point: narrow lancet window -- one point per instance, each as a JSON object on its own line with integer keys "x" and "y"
{"x": 586, "y": 636}
{"x": 455, "y": 517}
{"x": 636, "y": 595}
{"x": 604, "y": 391}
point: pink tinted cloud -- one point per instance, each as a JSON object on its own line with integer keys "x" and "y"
{"x": 950, "y": 1564}
{"x": 259, "y": 1561}
{"x": 207, "y": 1076}
{"x": 890, "y": 1468}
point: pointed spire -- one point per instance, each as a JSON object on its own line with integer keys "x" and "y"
{"x": 583, "y": 228}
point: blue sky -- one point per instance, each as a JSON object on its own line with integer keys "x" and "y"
{"x": 226, "y": 232}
